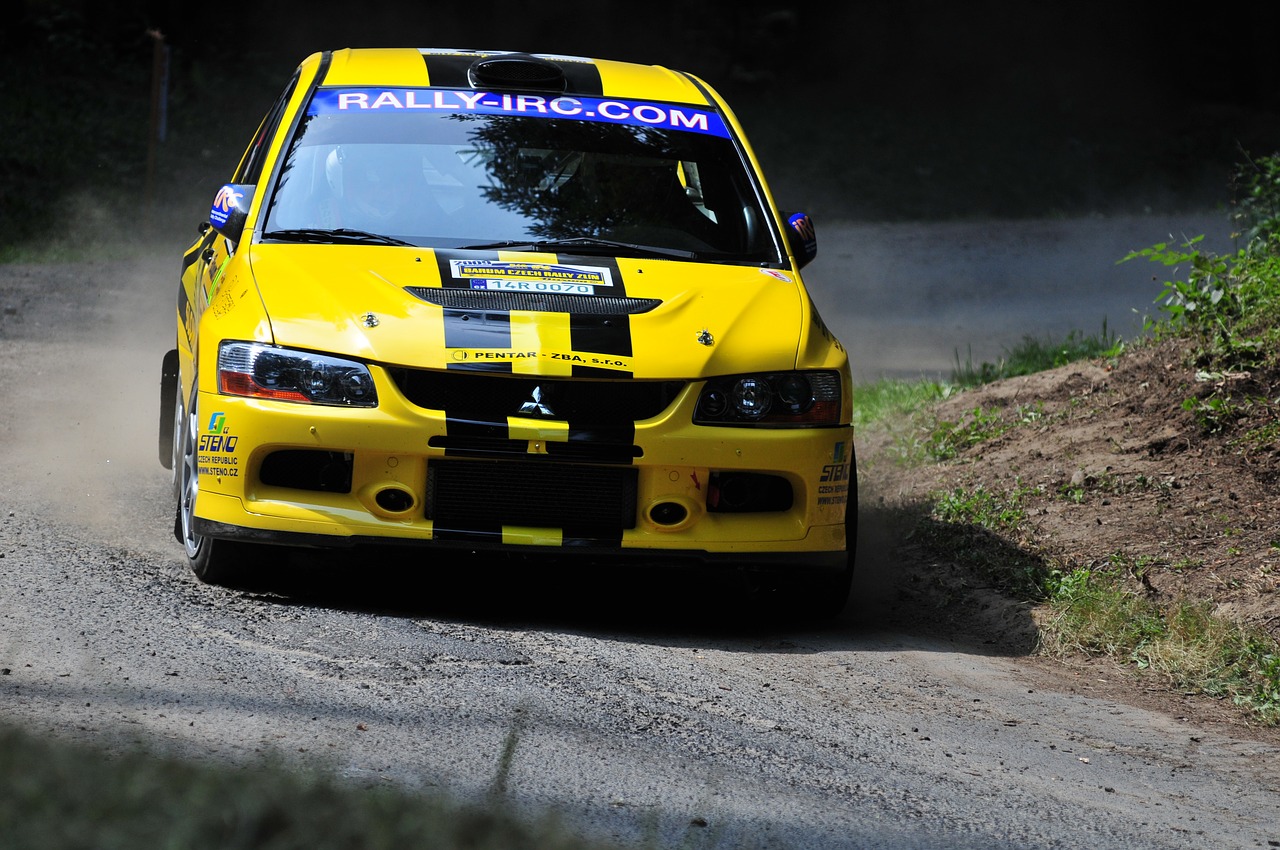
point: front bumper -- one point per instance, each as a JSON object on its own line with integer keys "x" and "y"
{"x": 281, "y": 472}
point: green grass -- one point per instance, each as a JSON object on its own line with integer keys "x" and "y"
{"x": 934, "y": 439}
{"x": 980, "y": 528}
{"x": 886, "y": 399}
{"x": 1033, "y": 355}
{"x": 1103, "y": 611}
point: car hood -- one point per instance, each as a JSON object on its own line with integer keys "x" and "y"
{"x": 535, "y": 314}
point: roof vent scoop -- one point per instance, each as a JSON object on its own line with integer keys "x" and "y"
{"x": 516, "y": 72}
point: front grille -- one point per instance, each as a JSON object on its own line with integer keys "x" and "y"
{"x": 484, "y": 495}
{"x": 491, "y": 397}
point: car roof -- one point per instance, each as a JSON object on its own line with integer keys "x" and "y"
{"x": 510, "y": 70}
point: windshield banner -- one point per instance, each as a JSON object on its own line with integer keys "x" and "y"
{"x": 634, "y": 113}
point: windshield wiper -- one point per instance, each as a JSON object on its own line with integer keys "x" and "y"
{"x": 588, "y": 244}
{"x": 319, "y": 235}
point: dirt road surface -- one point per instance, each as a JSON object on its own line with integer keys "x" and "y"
{"x": 639, "y": 706}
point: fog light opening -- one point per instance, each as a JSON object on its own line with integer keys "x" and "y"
{"x": 668, "y": 513}
{"x": 394, "y": 500}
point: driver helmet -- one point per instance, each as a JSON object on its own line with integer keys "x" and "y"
{"x": 373, "y": 181}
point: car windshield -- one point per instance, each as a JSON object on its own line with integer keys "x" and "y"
{"x": 458, "y": 169}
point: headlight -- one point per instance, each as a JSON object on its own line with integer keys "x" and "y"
{"x": 774, "y": 399}
{"x": 263, "y": 371}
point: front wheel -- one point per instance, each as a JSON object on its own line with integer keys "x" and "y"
{"x": 168, "y": 404}
{"x": 221, "y": 562}
{"x": 825, "y": 597}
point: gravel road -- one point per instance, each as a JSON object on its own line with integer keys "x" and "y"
{"x": 639, "y": 706}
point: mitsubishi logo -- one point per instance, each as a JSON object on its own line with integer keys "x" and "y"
{"x": 535, "y": 405}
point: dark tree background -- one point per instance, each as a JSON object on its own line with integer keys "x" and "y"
{"x": 871, "y": 110}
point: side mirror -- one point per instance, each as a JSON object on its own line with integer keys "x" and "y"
{"x": 231, "y": 208}
{"x": 802, "y": 239}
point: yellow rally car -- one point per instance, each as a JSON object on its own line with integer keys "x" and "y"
{"x": 515, "y": 303}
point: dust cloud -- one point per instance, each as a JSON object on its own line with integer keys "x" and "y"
{"x": 82, "y": 344}
{"x": 914, "y": 300}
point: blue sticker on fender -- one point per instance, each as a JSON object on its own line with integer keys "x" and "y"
{"x": 633, "y": 113}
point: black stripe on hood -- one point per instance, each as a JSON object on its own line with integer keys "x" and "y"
{"x": 605, "y": 335}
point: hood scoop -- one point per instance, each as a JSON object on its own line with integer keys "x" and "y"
{"x": 534, "y": 302}
{"x": 516, "y": 72}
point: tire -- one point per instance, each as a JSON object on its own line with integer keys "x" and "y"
{"x": 825, "y": 598}
{"x": 828, "y": 596}
{"x": 810, "y": 597}
{"x": 228, "y": 563}
{"x": 806, "y": 598}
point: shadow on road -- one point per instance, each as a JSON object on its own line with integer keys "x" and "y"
{"x": 893, "y": 592}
